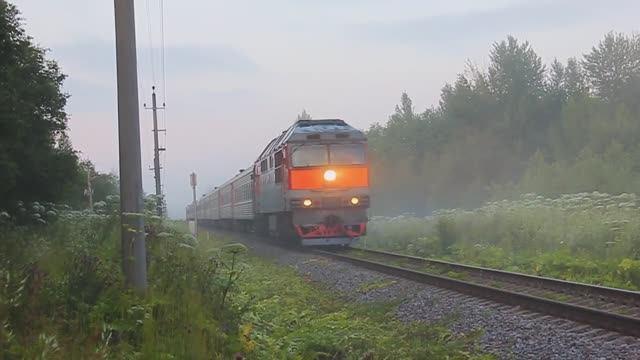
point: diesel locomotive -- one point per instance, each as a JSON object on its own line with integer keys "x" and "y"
{"x": 309, "y": 185}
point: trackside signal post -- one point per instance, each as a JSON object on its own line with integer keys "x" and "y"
{"x": 194, "y": 183}
{"x": 134, "y": 257}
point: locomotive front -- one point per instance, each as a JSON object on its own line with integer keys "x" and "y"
{"x": 328, "y": 183}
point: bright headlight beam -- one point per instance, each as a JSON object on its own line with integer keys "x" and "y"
{"x": 355, "y": 201}
{"x": 330, "y": 175}
{"x": 307, "y": 202}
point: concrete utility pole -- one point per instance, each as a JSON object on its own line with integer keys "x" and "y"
{"x": 194, "y": 183}
{"x": 89, "y": 189}
{"x": 156, "y": 152}
{"x": 134, "y": 257}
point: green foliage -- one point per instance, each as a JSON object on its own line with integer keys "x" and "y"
{"x": 613, "y": 64}
{"x": 62, "y": 294}
{"x": 447, "y": 234}
{"x": 287, "y": 318}
{"x": 379, "y": 284}
{"x": 37, "y": 162}
{"x": 588, "y": 237}
{"x": 516, "y": 127}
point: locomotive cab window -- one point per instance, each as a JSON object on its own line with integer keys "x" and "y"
{"x": 278, "y": 157}
{"x": 263, "y": 166}
{"x": 334, "y": 154}
{"x": 347, "y": 154}
{"x": 310, "y": 155}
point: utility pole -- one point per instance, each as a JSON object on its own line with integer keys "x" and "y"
{"x": 134, "y": 257}
{"x": 194, "y": 182}
{"x": 89, "y": 189}
{"x": 156, "y": 152}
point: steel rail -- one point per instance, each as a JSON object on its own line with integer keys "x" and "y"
{"x": 623, "y": 324}
{"x": 619, "y": 296}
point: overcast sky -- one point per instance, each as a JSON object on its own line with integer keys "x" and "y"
{"x": 238, "y": 72}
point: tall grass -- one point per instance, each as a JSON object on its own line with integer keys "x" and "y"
{"x": 62, "y": 294}
{"x": 591, "y": 237}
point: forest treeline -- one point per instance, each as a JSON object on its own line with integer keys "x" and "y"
{"x": 37, "y": 160}
{"x": 518, "y": 126}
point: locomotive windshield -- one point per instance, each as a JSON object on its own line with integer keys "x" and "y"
{"x": 334, "y": 154}
{"x": 346, "y": 154}
{"x": 310, "y": 155}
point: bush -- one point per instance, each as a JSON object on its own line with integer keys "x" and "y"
{"x": 62, "y": 294}
{"x": 592, "y": 237}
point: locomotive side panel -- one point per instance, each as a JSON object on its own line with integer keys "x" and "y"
{"x": 271, "y": 195}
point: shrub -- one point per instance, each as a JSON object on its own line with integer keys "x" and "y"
{"x": 62, "y": 295}
{"x": 592, "y": 237}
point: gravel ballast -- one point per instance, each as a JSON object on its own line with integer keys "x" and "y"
{"x": 507, "y": 331}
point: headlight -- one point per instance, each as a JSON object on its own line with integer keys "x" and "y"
{"x": 330, "y": 175}
{"x": 307, "y": 202}
{"x": 355, "y": 201}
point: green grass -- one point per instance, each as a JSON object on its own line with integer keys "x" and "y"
{"x": 289, "y": 318}
{"x": 374, "y": 285}
{"x": 556, "y": 296}
{"x": 457, "y": 275}
{"x": 62, "y": 296}
{"x": 590, "y": 237}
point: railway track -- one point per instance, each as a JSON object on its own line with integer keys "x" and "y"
{"x": 602, "y": 307}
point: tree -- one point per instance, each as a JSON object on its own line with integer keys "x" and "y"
{"x": 37, "y": 161}
{"x": 102, "y": 184}
{"x": 516, "y": 77}
{"x": 404, "y": 111}
{"x": 575, "y": 80}
{"x": 557, "y": 80}
{"x": 516, "y": 71}
{"x": 304, "y": 115}
{"x": 613, "y": 64}
{"x": 519, "y": 126}
{"x": 105, "y": 185}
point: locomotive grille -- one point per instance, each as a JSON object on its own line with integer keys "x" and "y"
{"x": 331, "y": 202}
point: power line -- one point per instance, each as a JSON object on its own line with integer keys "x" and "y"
{"x": 149, "y": 31}
{"x": 162, "y": 48}
{"x": 152, "y": 12}
{"x": 163, "y": 154}
{"x": 164, "y": 90}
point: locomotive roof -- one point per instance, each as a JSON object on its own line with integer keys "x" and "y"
{"x": 321, "y": 129}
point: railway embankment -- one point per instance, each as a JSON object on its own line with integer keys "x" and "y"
{"x": 62, "y": 296}
{"x": 505, "y": 330}
{"x": 294, "y": 307}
